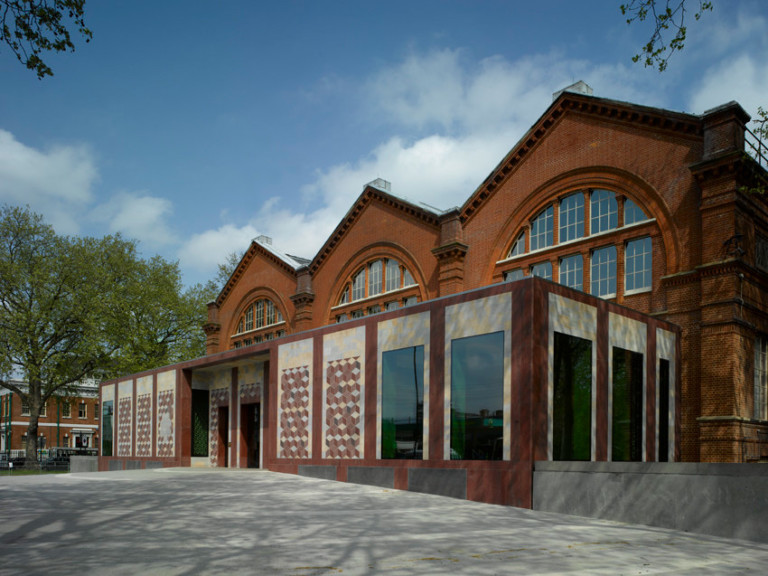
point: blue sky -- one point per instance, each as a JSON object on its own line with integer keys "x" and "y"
{"x": 195, "y": 126}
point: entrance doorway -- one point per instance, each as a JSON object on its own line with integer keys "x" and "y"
{"x": 250, "y": 418}
{"x": 222, "y": 456}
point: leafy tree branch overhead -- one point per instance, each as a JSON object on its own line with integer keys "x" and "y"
{"x": 30, "y": 28}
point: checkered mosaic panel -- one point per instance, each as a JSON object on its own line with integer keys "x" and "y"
{"x": 124, "y": 413}
{"x": 219, "y": 397}
{"x": 144, "y": 425}
{"x": 165, "y": 424}
{"x": 343, "y": 409}
{"x": 250, "y": 393}
{"x": 294, "y": 413}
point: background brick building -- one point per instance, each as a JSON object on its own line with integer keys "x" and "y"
{"x": 70, "y": 421}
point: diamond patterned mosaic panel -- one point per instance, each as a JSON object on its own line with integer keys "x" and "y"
{"x": 165, "y": 424}
{"x": 219, "y": 397}
{"x": 124, "y": 413}
{"x": 343, "y": 408}
{"x": 250, "y": 393}
{"x": 294, "y": 415}
{"x": 144, "y": 425}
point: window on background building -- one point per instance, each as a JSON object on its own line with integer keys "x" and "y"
{"x": 107, "y": 411}
{"x": 572, "y": 217}
{"x": 477, "y": 397}
{"x": 82, "y": 410}
{"x": 572, "y": 398}
{"x": 638, "y": 265}
{"x": 604, "y": 211}
{"x": 512, "y": 275}
{"x": 24, "y": 408}
{"x": 572, "y": 272}
{"x": 358, "y": 286}
{"x": 542, "y": 270}
{"x": 633, "y": 213}
{"x": 603, "y": 272}
{"x": 627, "y": 422}
{"x": 66, "y": 410}
{"x": 664, "y": 416}
{"x": 393, "y": 275}
{"x": 374, "y": 278}
{"x": 259, "y": 314}
{"x": 542, "y": 229}
{"x": 402, "y": 403}
{"x": 518, "y": 248}
{"x": 761, "y": 379}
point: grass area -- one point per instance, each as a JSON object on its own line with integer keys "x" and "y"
{"x": 23, "y": 472}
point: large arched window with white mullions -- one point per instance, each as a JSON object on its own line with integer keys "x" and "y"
{"x": 260, "y": 321}
{"x": 559, "y": 235}
{"x": 378, "y": 285}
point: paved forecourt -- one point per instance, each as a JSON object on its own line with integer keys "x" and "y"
{"x": 197, "y": 521}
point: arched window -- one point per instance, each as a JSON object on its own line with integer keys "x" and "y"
{"x": 542, "y": 229}
{"x": 570, "y": 251}
{"x": 382, "y": 283}
{"x": 260, "y": 321}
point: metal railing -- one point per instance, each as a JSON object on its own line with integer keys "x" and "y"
{"x": 756, "y": 148}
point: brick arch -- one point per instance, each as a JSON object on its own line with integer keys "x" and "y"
{"x": 372, "y": 252}
{"x": 619, "y": 181}
{"x": 251, "y": 296}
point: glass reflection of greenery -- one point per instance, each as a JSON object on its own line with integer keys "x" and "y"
{"x": 107, "y": 411}
{"x": 402, "y": 403}
{"x": 572, "y": 398}
{"x": 477, "y": 397}
{"x": 627, "y": 424}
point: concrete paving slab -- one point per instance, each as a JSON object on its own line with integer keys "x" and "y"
{"x": 196, "y": 521}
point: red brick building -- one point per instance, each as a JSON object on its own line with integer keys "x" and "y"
{"x": 66, "y": 421}
{"x": 645, "y": 215}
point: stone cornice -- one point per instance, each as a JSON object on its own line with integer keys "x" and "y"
{"x": 452, "y": 250}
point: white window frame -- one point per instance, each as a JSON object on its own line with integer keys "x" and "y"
{"x": 602, "y": 270}
{"x": 633, "y": 259}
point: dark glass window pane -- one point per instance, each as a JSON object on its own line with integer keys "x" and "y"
{"x": 663, "y": 410}
{"x": 402, "y": 403}
{"x": 200, "y": 400}
{"x": 627, "y": 422}
{"x": 106, "y": 428}
{"x": 477, "y": 397}
{"x": 572, "y": 410}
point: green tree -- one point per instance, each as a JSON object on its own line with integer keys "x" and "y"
{"x": 227, "y": 268}
{"x": 32, "y": 27}
{"x": 668, "y": 35}
{"x": 75, "y": 307}
{"x": 668, "y": 24}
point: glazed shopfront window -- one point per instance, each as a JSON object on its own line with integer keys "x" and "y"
{"x": 627, "y": 421}
{"x": 402, "y": 403}
{"x": 572, "y": 398}
{"x": 477, "y": 397}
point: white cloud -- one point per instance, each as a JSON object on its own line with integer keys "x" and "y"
{"x": 138, "y": 216}
{"x": 464, "y": 117}
{"x": 201, "y": 253}
{"x": 56, "y": 182}
{"x": 743, "y": 78}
